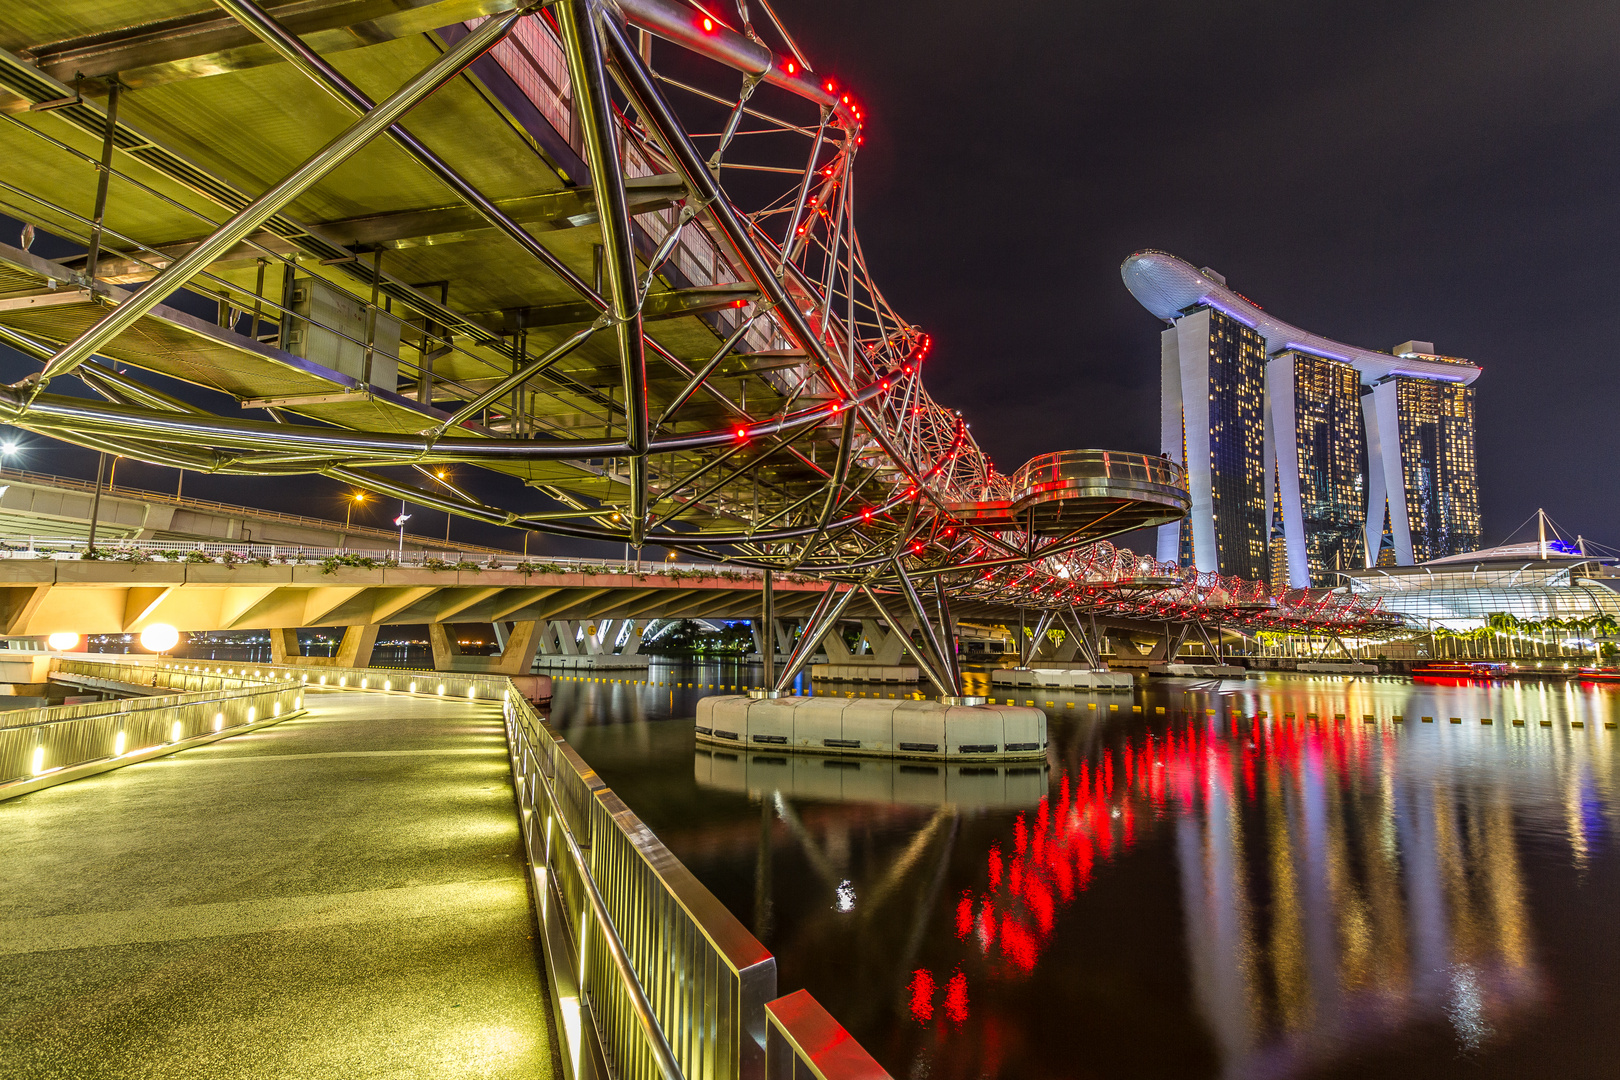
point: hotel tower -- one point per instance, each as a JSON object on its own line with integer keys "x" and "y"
{"x": 1304, "y": 456}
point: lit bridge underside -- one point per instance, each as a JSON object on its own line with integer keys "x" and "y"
{"x": 602, "y": 253}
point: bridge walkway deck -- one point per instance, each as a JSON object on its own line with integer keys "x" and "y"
{"x": 341, "y": 895}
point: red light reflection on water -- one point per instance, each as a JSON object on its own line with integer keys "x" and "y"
{"x": 956, "y": 999}
{"x": 1056, "y": 858}
{"x": 922, "y": 995}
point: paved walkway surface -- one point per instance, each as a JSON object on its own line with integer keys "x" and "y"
{"x": 341, "y": 895}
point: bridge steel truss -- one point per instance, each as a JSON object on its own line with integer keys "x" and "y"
{"x": 618, "y": 237}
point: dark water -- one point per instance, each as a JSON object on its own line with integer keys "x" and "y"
{"x": 1183, "y": 894}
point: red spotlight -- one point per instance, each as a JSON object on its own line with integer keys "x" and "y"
{"x": 791, "y": 68}
{"x": 708, "y": 25}
{"x": 741, "y": 433}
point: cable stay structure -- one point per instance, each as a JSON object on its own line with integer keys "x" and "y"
{"x": 584, "y": 267}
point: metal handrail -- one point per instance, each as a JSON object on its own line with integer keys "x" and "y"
{"x": 665, "y": 1057}
{"x": 1099, "y": 464}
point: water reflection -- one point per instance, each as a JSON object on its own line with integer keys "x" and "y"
{"x": 1217, "y": 888}
{"x": 831, "y": 778}
{"x": 1381, "y": 891}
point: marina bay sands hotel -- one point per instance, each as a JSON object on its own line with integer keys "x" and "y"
{"x": 1304, "y": 456}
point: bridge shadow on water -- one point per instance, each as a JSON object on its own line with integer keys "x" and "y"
{"x": 1238, "y": 879}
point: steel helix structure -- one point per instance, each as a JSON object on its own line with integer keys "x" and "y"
{"x": 584, "y": 267}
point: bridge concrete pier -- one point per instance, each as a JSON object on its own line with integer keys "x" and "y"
{"x": 515, "y": 658}
{"x": 574, "y": 643}
{"x": 353, "y": 651}
{"x": 342, "y": 894}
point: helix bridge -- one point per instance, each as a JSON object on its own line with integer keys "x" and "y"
{"x": 585, "y": 268}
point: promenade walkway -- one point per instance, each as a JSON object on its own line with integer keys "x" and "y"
{"x": 341, "y": 895}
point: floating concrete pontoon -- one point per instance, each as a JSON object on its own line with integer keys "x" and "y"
{"x": 925, "y": 730}
{"x": 1063, "y": 678}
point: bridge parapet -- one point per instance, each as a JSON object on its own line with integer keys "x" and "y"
{"x": 43, "y": 747}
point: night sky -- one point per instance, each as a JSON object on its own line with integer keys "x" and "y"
{"x": 1373, "y": 172}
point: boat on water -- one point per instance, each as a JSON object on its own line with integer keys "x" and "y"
{"x": 1461, "y": 669}
{"x": 1590, "y": 674}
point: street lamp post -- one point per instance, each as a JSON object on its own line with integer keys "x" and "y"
{"x": 348, "y": 514}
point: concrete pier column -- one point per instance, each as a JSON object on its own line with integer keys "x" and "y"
{"x": 632, "y": 641}
{"x": 872, "y": 638}
{"x": 284, "y": 647}
{"x": 894, "y": 644}
{"x": 832, "y": 642}
{"x": 559, "y": 638}
{"x": 517, "y": 653}
{"x": 446, "y": 650}
{"x": 355, "y": 650}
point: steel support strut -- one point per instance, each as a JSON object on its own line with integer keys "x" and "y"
{"x": 924, "y": 662}
{"x": 593, "y": 110}
{"x": 823, "y": 619}
{"x": 948, "y": 632}
{"x": 261, "y": 209}
{"x": 950, "y": 682}
{"x": 767, "y": 635}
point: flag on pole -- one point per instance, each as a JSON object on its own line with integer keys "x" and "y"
{"x": 401, "y": 520}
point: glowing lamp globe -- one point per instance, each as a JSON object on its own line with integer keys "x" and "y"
{"x": 159, "y": 638}
{"x": 62, "y": 641}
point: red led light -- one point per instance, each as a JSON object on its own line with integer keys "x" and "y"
{"x": 791, "y": 68}
{"x": 846, "y": 99}
{"x": 866, "y": 515}
{"x": 829, "y": 86}
{"x": 708, "y": 25}
{"x": 741, "y": 433}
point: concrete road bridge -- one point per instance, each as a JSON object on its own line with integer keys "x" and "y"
{"x": 39, "y": 508}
